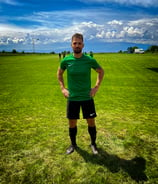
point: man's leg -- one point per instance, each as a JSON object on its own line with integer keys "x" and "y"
{"x": 73, "y": 109}
{"x": 72, "y": 134}
{"x": 92, "y": 132}
{"x": 73, "y": 130}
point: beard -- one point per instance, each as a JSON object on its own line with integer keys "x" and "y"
{"x": 77, "y": 50}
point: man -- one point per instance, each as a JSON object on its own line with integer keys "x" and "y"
{"x": 79, "y": 92}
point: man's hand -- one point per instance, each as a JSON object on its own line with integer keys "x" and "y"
{"x": 65, "y": 92}
{"x": 93, "y": 91}
{"x": 100, "y": 76}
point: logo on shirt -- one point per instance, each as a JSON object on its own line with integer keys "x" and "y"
{"x": 69, "y": 65}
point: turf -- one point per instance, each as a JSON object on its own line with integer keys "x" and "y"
{"x": 34, "y": 130}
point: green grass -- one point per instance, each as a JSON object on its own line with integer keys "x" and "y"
{"x": 34, "y": 130}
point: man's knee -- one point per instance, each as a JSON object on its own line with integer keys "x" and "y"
{"x": 72, "y": 123}
{"x": 91, "y": 122}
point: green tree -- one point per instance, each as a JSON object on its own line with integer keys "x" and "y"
{"x": 153, "y": 48}
{"x": 131, "y": 49}
{"x": 14, "y": 51}
{"x": 52, "y": 52}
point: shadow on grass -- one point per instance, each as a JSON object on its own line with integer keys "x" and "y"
{"x": 135, "y": 167}
{"x": 153, "y": 69}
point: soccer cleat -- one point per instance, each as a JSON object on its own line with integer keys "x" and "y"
{"x": 71, "y": 149}
{"x": 94, "y": 149}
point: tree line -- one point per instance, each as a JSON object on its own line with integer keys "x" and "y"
{"x": 151, "y": 49}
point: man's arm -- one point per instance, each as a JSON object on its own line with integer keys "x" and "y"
{"x": 60, "y": 73}
{"x": 100, "y": 76}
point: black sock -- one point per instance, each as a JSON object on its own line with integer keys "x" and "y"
{"x": 92, "y": 131}
{"x": 72, "y": 134}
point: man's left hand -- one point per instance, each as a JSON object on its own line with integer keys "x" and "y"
{"x": 93, "y": 91}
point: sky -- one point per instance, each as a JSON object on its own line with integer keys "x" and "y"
{"x": 107, "y": 25}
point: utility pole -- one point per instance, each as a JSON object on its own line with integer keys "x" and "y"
{"x": 33, "y": 44}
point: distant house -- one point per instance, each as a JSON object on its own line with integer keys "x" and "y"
{"x": 138, "y": 51}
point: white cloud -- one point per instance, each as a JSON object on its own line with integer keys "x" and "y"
{"x": 115, "y": 22}
{"x": 58, "y": 19}
{"x": 9, "y": 27}
{"x": 139, "y": 31}
{"x": 101, "y": 24}
{"x": 10, "y": 2}
{"x": 144, "y": 3}
{"x": 96, "y": 24}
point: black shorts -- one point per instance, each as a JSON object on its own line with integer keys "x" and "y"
{"x": 88, "y": 109}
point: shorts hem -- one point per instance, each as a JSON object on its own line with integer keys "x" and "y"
{"x": 90, "y": 117}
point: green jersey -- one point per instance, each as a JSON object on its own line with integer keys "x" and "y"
{"x": 79, "y": 76}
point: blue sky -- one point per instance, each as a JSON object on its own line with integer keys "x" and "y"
{"x": 107, "y": 25}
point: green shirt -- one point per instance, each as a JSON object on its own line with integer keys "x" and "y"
{"x": 79, "y": 76}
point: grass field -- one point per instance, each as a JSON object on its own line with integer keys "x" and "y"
{"x": 34, "y": 130}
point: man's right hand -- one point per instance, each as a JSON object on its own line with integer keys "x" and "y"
{"x": 65, "y": 92}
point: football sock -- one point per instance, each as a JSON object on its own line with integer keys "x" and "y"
{"x": 92, "y": 131}
{"x": 72, "y": 134}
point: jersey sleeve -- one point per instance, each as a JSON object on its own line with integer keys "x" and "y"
{"x": 95, "y": 64}
{"x": 63, "y": 65}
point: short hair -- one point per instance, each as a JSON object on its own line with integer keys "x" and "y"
{"x": 77, "y": 35}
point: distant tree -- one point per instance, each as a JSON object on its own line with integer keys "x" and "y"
{"x": 52, "y": 52}
{"x": 14, "y": 51}
{"x": 120, "y": 51}
{"x": 131, "y": 49}
{"x": 153, "y": 49}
